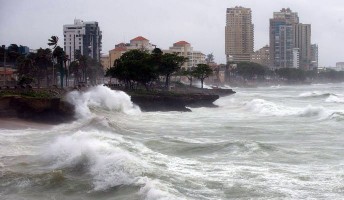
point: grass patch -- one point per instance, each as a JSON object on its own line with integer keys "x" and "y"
{"x": 27, "y": 93}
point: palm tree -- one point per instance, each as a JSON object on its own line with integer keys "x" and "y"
{"x": 74, "y": 69}
{"x": 59, "y": 54}
{"x": 83, "y": 64}
{"x": 66, "y": 70}
{"x": 53, "y": 42}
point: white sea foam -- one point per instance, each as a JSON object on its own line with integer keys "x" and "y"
{"x": 275, "y": 86}
{"x": 101, "y": 97}
{"x": 334, "y": 99}
{"x": 104, "y": 156}
{"x": 311, "y": 111}
{"x": 264, "y": 107}
{"x": 199, "y": 85}
{"x": 314, "y": 94}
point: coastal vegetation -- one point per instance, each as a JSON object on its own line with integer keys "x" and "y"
{"x": 148, "y": 69}
{"x": 29, "y": 93}
{"x": 249, "y": 71}
{"x": 42, "y": 67}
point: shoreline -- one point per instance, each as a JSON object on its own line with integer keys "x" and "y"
{"x": 55, "y": 110}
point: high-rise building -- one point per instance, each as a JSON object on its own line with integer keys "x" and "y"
{"x": 281, "y": 38}
{"x": 314, "y": 56}
{"x": 302, "y": 41}
{"x": 290, "y": 41}
{"x": 82, "y": 38}
{"x": 296, "y": 58}
{"x": 239, "y": 38}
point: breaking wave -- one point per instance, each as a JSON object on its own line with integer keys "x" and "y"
{"x": 103, "y": 98}
{"x": 334, "y": 99}
{"x": 338, "y": 116}
{"x": 315, "y": 94}
{"x": 109, "y": 159}
{"x": 264, "y": 107}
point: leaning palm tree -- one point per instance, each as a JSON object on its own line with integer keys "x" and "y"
{"x": 53, "y": 42}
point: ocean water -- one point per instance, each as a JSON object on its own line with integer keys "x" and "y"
{"x": 280, "y": 142}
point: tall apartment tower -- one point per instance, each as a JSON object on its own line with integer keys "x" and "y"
{"x": 83, "y": 38}
{"x": 282, "y": 39}
{"x": 302, "y": 40}
{"x": 239, "y": 37}
{"x": 314, "y": 56}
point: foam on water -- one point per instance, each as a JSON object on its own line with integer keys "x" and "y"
{"x": 106, "y": 157}
{"x": 264, "y": 107}
{"x": 315, "y": 94}
{"x": 334, "y": 99}
{"x": 101, "y": 97}
{"x": 257, "y": 144}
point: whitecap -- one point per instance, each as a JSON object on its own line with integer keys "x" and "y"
{"x": 101, "y": 97}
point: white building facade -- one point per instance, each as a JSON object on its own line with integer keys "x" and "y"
{"x": 183, "y": 48}
{"x": 82, "y": 38}
{"x": 296, "y": 58}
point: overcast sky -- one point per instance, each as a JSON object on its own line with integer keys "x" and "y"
{"x": 163, "y": 22}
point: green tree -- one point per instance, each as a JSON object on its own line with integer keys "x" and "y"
{"x": 250, "y": 70}
{"x": 53, "y": 42}
{"x": 169, "y": 64}
{"x": 43, "y": 62}
{"x": 26, "y": 69}
{"x": 134, "y": 66}
{"x": 291, "y": 74}
{"x": 94, "y": 70}
{"x": 83, "y": 61}
{"x": 210, "y": 58}
{"x": 188, "y": 73}
{"x": 75, "y": 69}
{"x": 202, "y": 71}
{"x": 59, "y": 54}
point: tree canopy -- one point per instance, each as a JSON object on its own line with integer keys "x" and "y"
{"x": 138, "y": 66}
{"x": 134, "y": 66}
{"x": 291, "y": 74}
{"x": 250, "y": 70}
{"x": 202, "y": 71}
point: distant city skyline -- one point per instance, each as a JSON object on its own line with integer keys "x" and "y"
{"x": 199, "y": 22}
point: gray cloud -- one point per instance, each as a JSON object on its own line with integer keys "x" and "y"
{"x": 200, "y": 22}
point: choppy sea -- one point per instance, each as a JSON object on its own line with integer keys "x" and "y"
{"x": 279, "y": 142}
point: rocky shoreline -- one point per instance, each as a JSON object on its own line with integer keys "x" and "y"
{"x": 178, "y": 99}
{"x": 174, "y": 102}
{"x": 53, "y": 109}
{"x": 45, "y": 110}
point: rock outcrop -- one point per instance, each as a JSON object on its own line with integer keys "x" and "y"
{"x": 175, "y": 102}
{"x": 48, "y": 110}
